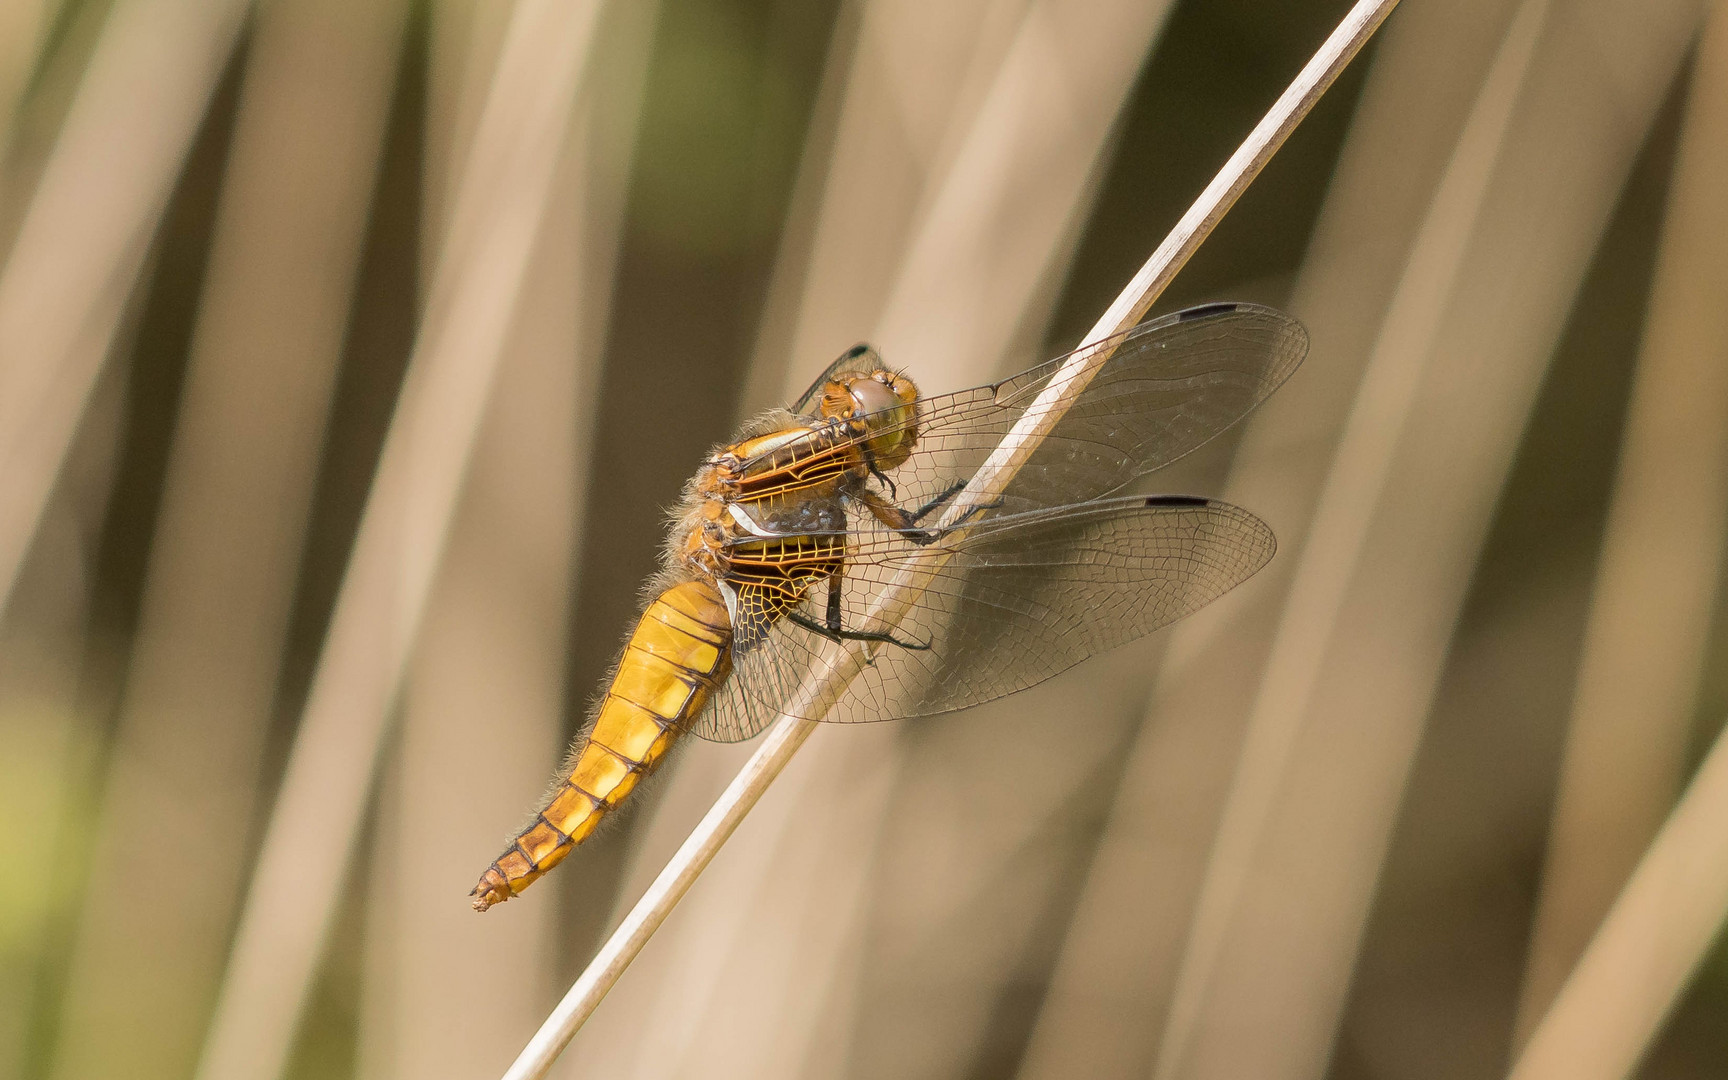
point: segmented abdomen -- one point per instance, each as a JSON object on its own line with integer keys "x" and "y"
{"x": 679, "y": 652}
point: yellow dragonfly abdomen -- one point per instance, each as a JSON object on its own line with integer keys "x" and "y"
{"x": 680, "y": 651}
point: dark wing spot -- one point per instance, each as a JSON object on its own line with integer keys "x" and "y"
{"x": 1177, "y": 500}
{"x": 1204, "y": 311}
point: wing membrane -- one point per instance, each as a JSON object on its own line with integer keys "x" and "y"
{"x": 1020, "y": 598}
{"x": 1169, "y": 386}
{"x": 860, "y": 359}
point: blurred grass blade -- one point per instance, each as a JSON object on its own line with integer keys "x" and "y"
{"x": 1342, "y": 518}
{"x": 462, "y": 40}
{"x": 84, "y": 237}
{"x": 1659, "y": 928}
{"x": 23, "y": 31}
{"x": 977, "y": 278}
{"x": 903, "y": 86}
{"x": 1122, "y": 947}
{"x": 1013, "y": 172}
{"x": 306, "y": 850}
{"x": 44, "y": 100}
{"x": 1384, "y": 569}
{"x": 1009, "y": 205}
{"x": 179, "y": 795}
{"x": 49, "y": 736}
{"x": 831, "y": 280}
{"x": 1657, "y": 579}
{"x": 839, "y": 665}
{"x": 438, "y": 1001}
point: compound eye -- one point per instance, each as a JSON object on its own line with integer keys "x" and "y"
{"x": 872, "y": 396}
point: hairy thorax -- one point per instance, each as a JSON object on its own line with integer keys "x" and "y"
{"x": 781, "y": 484}
{"x": 790, "y": 476}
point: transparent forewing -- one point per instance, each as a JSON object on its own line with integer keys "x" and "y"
{"x": 1168, "y": 386}
{"x": 1012, "y": 602}
{"x": 860, "y": 359}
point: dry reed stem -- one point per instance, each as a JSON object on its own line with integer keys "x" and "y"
{"x": 1657, "y": 932}
{"x": 1008, "y": 209}
{"x": 982, "y": 270}
{"x": 1383, "y": 572}
{"x": 493, "y": 644}
{"x": 988, "y": 239}
{"x": 462, "y": 39}
{"x": 865, "y": 174}
{"x": 50, "y": 739}
{"x": 41, "y": 111}
{"x": 1650, "y": 615}
{"x": 201, "y": 683}
{"x": 1334, "y": 545}
{"x": 864, "y": 185}
{"x": 914, "y": 79}
{"x": 85, "y": 235}
{"x": 434, "y": 1000}
{"x": 311, "y": 834}
{"x": 1123, "y": 945}
{"x": 833, "y": 673}
{"x": 23, "y": 27}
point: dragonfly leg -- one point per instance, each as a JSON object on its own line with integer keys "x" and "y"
{"x": 876, "y": 471}
{"x": 853, "y": 635}
{"x": 940, "y": 500}
{"x": 905, "y": 522}
{"x": 834, "y": 619}
{"x": 835, "y": 629}
{"x": 882, "y": 477}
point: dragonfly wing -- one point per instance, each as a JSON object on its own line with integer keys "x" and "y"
{"x": 1013, "y": 601}
{"x": 764, "y": 678}
{"x": 861, "y": 358}
{"x": 1169, "y": 386}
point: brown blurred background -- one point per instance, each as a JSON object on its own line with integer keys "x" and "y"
{"x": 350, "y": 355}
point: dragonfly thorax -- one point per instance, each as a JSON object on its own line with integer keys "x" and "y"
{"x": 705, "y": 534}
{"x": 865, "y": 424}
{"x": 790, "y": 481}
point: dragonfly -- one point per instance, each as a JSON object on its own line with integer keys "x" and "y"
{"x": 788, "y": 539}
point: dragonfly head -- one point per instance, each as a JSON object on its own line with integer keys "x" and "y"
{"x": 883, "y": 405}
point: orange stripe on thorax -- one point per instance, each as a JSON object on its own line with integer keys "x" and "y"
{"x": 795, "y": 460}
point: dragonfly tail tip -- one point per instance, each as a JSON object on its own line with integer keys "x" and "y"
{"x": 489, "y": 892}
